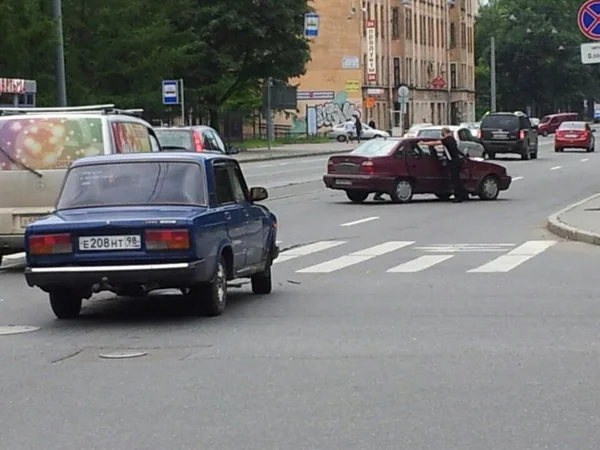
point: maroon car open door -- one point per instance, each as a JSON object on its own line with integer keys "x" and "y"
{"x": 424, "y": 166}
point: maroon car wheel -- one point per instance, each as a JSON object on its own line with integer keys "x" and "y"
{"x": 357, "y": 196}
{"x": 489, "y": 188}
{"x": 403, "y": 191}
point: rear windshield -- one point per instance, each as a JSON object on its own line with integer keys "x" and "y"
{"x": 133, "y": 184}
{"x": 375, "y": 147}
{"x": 572, "y": 126}
{"x": 436, "y": 134}
{"x": 175, "y": 138}
{"x": 48, "y": 143}
{"x": 501, "y": 122}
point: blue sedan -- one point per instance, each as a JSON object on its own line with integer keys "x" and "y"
{"x": 135, "y": 223}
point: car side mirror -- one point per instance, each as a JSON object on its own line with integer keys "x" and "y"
{"x": 258, "y": 194}
{"x": 231, "y": 150}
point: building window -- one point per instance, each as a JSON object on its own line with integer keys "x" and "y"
{"x": 396, "y": 72}
{"x": 463, "y": 76}
{"x": 382, "y": 20}
{"x": 365, "y": 75}
{"x": 453, "y": 76}
{"x": 395, "y": 23}
{"x": 463, "y": 36}
{"x": 463, "y": 5}
{"x": 452, "y": 35}
{"x": 409, "y": 26}
{"x": 364, "y": 21}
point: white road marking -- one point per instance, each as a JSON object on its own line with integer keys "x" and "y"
{"x": 515, "y": 257}
{"x": 356, "y": 222}
{"x": 555, "y": 167}
{"x": 517, "y": 178}
{"x": 585, "y": 159}
{"x": 307, "y": 250}
{"x": 420, "y": 263}
{"x": 356, "y": 257}
{"x": 454, "y": 248}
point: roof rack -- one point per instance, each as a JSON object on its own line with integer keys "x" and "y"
{"x": 101, "y": 109}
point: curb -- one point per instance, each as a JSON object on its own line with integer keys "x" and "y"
{"x": 295, "y": 156}
{"x": 564, "y": 230}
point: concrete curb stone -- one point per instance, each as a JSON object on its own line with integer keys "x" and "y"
{"x": 564, "y": 230}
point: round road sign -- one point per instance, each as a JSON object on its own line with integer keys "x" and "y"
{"x": 403, "y": 92}
{"x": 588, "y": 19}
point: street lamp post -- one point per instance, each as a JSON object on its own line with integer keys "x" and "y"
{"x": 61, "y": 84}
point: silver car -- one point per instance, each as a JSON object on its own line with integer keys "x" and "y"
{"x": 467, "y": 143}
{"x": 339, "y": 132}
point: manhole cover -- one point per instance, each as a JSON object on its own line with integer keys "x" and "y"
{"x": 6, "y": 330}
{"x": 123, "y": 355}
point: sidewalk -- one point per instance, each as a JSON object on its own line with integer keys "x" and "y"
{"x": 293, "y": 151}
{"x": 579, "y": 221}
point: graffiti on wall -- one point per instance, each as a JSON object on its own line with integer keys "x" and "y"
{"x": 329, "y": 114}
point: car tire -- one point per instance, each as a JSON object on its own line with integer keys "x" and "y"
{"x": 557, "y": 149}
{"x": 443, "y": 197}
{"x": 377, "y": 136}
{"x": 1, "y": 256}
{"x": 357, "y": 196}
{"x": 210, "y": 299}
{"x": 544, "y": 133}
{"x": 526, "y": 155}
{"x": 491, "y": 155}
{"x": 341, "y": 138}
{"x": 65, "y": 305}
{"x": 261, "y": 282}
{"x": 403, "y": 191}
{"x": 589, "y": 150}
{"x": 489, "y": 188}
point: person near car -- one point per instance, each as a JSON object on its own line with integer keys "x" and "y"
{"x": 372, "y": 123}
{"x": 455, "y": 163}
{"x": 349, "y": 128}
{"x": 358, "y": 129}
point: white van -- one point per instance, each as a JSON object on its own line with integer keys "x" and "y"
{"x": 38, "y": 144}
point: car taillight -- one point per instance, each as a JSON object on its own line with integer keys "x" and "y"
{"x": 522, "y": 134}
{"x": 167, "y": 240}
{"x": 330, "y": 167}
{"x": 50, "y": 244}
{"x": 479, "y": 133}
{"x": 198, "y": 143}
{"x": 367, "y": 168}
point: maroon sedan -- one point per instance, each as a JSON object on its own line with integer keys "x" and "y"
{"x": 401, "y": 168}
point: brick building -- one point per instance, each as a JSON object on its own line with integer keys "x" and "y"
{"x": 365, "y": 50}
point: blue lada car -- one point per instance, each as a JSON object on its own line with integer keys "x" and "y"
{"x": 135, "y": 223}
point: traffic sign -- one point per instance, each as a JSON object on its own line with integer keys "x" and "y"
{"x": 590, "y": 53}
{"x": 170, "y": 92}
{"x": 438, "y": 82}
{"x": 403, "y": 93}
{"x": 588, "y": 19}
{"x": 370, "y": 102}
{"x": 311, "y": 25}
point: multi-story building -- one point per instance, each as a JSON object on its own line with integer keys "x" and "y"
{"x": 364, "y": 51}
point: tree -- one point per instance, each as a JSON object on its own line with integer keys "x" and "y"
{"x": 537, "y": 55}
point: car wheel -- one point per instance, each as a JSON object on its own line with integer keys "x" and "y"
{"x": 357, "y": 196}
{"x": 590, "y": 149}
{"x": 261, "y": 282}
{"x": 491, "y": 155}
{"x": 443, "y": 197}
{"x": 65, "y": 305}
{"x": 210, "y": 299}
{"x": 1, "y": 256}
{"x": 377, "y": 136}
{"x": 526, "y": 155}
{"x": 557, "y": 149}
{"x": 489, "y": 188}
{"x": 403, "y": 191}
{"x": 342, "y": 138}
{"x": 544, "y": 133}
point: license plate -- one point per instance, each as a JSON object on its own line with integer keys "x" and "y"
{"x": 104, "y": 243}
{"x": 27, "y": 220}
{"x": 499, "y": 136}
{"x": 571, "y": 136}
{"x": 343, "y": 182}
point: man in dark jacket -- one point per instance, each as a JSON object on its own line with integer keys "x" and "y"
{"x": 358, "y": 129}
{"x": 455, "y": 163}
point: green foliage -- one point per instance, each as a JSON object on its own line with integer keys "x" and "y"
{"x": 119, "y": 51}
{"x": 531, "y": 68}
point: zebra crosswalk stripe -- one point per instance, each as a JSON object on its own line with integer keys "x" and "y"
{"x": 420, "y": 263}
{"x": 514, "y": 258}
{"x": 307, "y": 250}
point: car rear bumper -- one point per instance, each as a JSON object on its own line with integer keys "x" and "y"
{"x": 171, "y": 275}
{"x": 572, "y": 143}
{"x": 359, "y": 183}
{"x": 516, "y": 147}
{"x": 505, "y": 182}
{"x": 11, "y": 243}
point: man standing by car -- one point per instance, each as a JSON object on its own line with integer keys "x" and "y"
{"x": 455, "y": 163}
{"x": 358, "y": 128}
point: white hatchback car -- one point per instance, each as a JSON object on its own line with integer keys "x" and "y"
{"x": 341, "y": 135}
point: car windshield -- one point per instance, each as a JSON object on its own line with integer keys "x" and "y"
{"x": 175, "y": 138}
{"x": 133, "y": 184}
{"x": 546, "y": 119}
{"x": 505, "y": 122}
{"x": 572, "y": 126}
{"x": 375, "y": 147}
{"x": 435, "y": 133}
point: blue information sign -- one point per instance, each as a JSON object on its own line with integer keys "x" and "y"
{"x": 311, "y": 25}
{"x": 170, "y": 92}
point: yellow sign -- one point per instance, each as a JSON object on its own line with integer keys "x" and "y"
{"x": 352, "y": 86}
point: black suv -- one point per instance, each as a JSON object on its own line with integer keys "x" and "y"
{"x": 506, "y": 132}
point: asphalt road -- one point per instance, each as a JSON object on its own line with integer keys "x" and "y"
{"x": 422, "y": 326}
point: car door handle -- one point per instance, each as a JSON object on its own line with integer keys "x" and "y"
{"x": 227, "y": 215}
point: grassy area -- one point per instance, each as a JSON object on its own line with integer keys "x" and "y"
{"x": 260, "y": 143}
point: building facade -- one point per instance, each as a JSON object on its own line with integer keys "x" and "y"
{"x": 363, "y": 51}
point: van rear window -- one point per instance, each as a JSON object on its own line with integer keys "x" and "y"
{"x": 500, "y": 122}
{"x": 46, "y": 143}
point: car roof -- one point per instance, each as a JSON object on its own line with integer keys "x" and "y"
{"x": 195, "y": 127}
{"x": 439, "y": 127}
{"x": 150, "y": 157}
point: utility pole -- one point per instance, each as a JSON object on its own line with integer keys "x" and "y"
{"x": 61, "y": 84}
{"x": 493, "y": 74}
{"x": 269, "y": 115}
